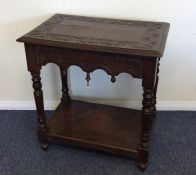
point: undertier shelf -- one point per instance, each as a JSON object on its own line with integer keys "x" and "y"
{"x": 96, "y": 126}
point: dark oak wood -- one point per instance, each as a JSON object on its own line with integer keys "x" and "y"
{"x": 148, "y": 109}
{"x": 100, "y": 34}
{"x": 155, "y": 89}
{"x": 38, "y": 95}
{"x": 96, "y": 126}
{"x": 115, "y": 46}
{"x": 65, "y": 90}
{"x": 89, "y": 61}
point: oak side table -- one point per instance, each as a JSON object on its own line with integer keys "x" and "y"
{"x": 116, "y": 46}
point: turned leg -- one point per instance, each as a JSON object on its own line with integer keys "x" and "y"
{"x": 65, "y": 90}
{"x": 148, "y": 83}
{"x": 155, "y": 91}
{"x": 38, "y": 95}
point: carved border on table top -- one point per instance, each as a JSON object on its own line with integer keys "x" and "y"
{"x": 88, "y": 61}
{"x": 150, "y": 39}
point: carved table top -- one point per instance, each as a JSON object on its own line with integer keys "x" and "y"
{"x": 100, "y": 34}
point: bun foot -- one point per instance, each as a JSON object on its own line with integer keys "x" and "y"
{"x": 142, "y": 166}
{"x": 44, "y": 147}
{"x": 42, "y": 138}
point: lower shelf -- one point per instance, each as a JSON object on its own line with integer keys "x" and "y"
{"x": 95, "y": 126}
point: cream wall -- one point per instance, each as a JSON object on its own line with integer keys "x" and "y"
{"x": 177, "y": 85}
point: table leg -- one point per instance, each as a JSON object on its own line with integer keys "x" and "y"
{"x": 35, "y": 68}
{"x": 38, "y": 95}
{"x": 148, "y": 83}
{"x": 155, "y": 90}
{"x": 65, "y": 89}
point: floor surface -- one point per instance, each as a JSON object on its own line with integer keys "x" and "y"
{"x": 173, "y": 149}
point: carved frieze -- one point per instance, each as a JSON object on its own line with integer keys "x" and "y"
{"x": 88, "y": 61}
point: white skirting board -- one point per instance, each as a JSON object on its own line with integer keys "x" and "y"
{"x": 51, "y": 105}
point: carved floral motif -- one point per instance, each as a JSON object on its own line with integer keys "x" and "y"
{"x": 150, "y": 40}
